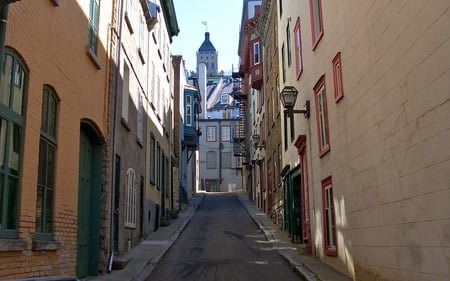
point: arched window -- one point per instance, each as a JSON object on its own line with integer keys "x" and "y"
{"x": 130, "y": 199}
{"x": 13, "y": 86}
{"x": 46, "y": 174}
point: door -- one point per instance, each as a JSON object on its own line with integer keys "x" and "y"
{"x": 88, "y": 210}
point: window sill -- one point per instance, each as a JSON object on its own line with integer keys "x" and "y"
{"x": 139, "y": 142}
{"x": 141, "y": 55}
{"x": 130, "y": 226}
{"x": 12, "y": 245}
{"x": 316, "y": 42}
{"x": 125, "y": 124}
{"x": 93, "y": 57}
{"x": 324, "y": 151}
{"x": 331, "y": 252}
{"x": 338, "y": 98}
{"x": 46, "y": 245}
{"x": 128, "y": 22}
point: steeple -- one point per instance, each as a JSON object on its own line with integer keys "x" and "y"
{"x": 207, "y": 46}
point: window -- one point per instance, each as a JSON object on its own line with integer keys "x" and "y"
{"x": 46, "y": 169}
{"x": 237, "y": 131}
{"x": 14, "y": 79}
{"x": 188, "y": 111}
{"x": 125, "y": 91}
{"x": 329, "y": 221}
{"x": 211, "y": 133}
{"x": 298, "y": 49}
{"x": 288, "y": 42}
{"x": 129, "y": 8}
{"x": 142, "y": 33}
{"x": 153, "y": 86}
{"x": 226, "y": 160}
{"x": 283, "y": 63}
{"x": 315, "y": 7}
{"x": 337, "y": 78}
{"x": 255, "y": 53}
{"x": 224, "y": 99}
{"x": 211, "y": 162}
{"x": 280, "y": 4}
{"x": 152, "y": 158}
{"x": 93, "y": 25}
{"x": 130, "y": 199}
{"x": 226, "y": 133}
{"x": 322, "y": 116}
{"x": 162, "y": 170}
{"x": 158, "y": 166}
{"x": 140, "y": 117}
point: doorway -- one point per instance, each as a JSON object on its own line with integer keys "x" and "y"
{"x": 89, "y": 190}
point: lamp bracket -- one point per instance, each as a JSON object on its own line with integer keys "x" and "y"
{"x": 305, "y": 111}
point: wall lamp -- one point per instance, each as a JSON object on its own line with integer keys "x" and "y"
{"x": 288, "y": 98}
{"x": 256, "y": 139}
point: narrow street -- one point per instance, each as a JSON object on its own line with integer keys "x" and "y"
{"x": 222, "y": 242}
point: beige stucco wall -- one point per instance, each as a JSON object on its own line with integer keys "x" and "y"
{"x": 389, "y": 135}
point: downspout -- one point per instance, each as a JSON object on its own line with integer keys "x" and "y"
{"x": 3, "y": 22}
{"x": 113, "y": 154}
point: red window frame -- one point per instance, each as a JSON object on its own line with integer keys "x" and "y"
{"x": 337, "y": 77}
{"x": 316, "y": 39}
{"x": 328, "y": 212}
{"x": 322, "y": 119}
{"x": 298, "y": 49}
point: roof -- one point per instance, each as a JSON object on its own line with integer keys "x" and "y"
{"x": 215, "y": 90}
{"x": 207, "y": 46}
{"x": 170, "y": 18}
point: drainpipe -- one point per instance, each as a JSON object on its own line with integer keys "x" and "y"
{"x": 3, "y": 21}
{"x": 113, "y": 145}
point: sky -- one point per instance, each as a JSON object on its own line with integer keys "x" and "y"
{"x": 223, "y": 18}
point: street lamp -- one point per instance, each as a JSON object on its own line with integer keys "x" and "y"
{"x": 256, "y": 139}
{"x": 288, "y": 98}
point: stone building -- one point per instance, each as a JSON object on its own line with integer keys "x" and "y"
{"x": 367, "y": 163}
{"x": 141, "y": 87}
{"x": 273, "y": 115}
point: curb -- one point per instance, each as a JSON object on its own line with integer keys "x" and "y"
{"x": 305, "y": 273}
{"x": 151, "y": 264}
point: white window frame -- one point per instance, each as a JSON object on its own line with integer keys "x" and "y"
{"x": 256, "y": 53}
{"x": 130, "y": 199}
{"x": 211, "y": 133}
{"x": 226, "y": 133}
{"x": 188, "y": 111}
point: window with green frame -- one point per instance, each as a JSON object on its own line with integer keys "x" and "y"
{"x": 46, "y": 170}
{"x": 93, "y": 25}
{"x": 13, "y": 87}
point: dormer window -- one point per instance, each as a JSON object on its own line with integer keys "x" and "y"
{"x": 224, "y": 99}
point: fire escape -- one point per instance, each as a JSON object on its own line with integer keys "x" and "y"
{"x": 239, "y": 137}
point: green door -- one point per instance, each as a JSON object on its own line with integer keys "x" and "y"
{"x": 88, "y": 224}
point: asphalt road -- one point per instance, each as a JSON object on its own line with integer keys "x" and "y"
{"x": 222, "y": 243}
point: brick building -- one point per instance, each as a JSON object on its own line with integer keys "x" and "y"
{"x": 53, "y": 130}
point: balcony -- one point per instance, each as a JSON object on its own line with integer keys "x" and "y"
{"x": 191, "y": 137}
{"x": 256, "y": 72}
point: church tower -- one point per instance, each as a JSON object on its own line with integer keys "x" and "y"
{"x": 207, "y": 54}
